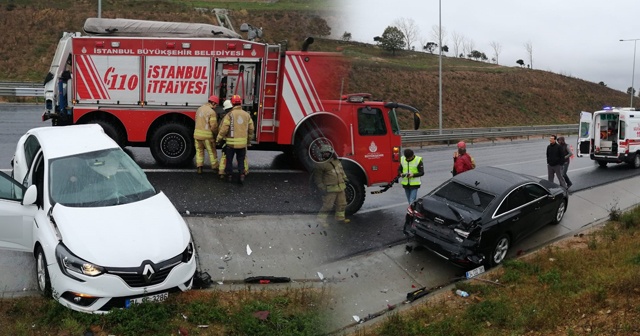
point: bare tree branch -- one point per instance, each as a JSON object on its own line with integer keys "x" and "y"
{"x": 457, "y": 41}
{"x": 529, "y": 48}
{"x": 467, "y": 46}
{"x": 409, "y": 28}
{"x": 497, "y": 49}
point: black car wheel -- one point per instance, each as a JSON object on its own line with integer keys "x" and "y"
{"x": 42, "y": 273}
{"x": 500, "y": 250}
{"x": 560, "y": 211}
{"x": 602, "y": 163}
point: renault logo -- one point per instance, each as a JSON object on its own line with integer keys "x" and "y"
{"x": 148, "y": 273}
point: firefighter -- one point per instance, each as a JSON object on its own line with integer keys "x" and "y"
{"x": 410, "y": 169}
{"x": 237, "y": 131}
{"x": 223, "y": 157}
{"x": 330, "y": 178}
{"x": 206, "y": 127}
{"x": 462, "y": 161}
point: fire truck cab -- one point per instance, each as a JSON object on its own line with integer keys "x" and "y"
{"x": 610, "y": 135}
{"x": 142, "y": 81}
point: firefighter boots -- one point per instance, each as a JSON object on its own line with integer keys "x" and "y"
{"x": 241, "y": 178}
{"x": 199, "y": 170}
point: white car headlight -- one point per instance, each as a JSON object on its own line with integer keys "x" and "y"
{"x": 69, "y": 262}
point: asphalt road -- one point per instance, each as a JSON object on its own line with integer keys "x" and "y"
{"x": 275, "y": 187}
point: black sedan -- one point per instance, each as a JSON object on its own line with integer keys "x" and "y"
{"x": 473, "y": 218}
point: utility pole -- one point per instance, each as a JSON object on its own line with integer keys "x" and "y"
{"x": 99, "y": 8}
{"x": 633, "y": 72}
{"x": 440, "y": 66}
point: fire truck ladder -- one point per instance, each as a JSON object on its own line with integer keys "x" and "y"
{"x": 270, "y": 96}
{"x": 223, "y": 18}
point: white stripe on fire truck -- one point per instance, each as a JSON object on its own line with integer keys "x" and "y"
{"x": 86, "y": 80}
{"x": 104, "y": 93}
{"x": 81, "y": 81}
{"x": 310, "y": 89}
{"x": 294, "y": 94}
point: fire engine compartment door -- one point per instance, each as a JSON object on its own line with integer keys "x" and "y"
{"x": 584, "y": 135}
{"x": 177, "y": 81}
{"x": 107, "y": 79}
{"x": 238, "y": 76}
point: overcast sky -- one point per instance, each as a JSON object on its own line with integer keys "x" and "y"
{"x": 577, "y": 38}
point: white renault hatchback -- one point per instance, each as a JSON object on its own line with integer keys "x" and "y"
{"x": 102, "y": 236}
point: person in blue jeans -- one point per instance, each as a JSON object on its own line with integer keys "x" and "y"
{"x": 409, "y": 172}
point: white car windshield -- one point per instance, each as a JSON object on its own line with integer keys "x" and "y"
{"x": 101, "y": 178}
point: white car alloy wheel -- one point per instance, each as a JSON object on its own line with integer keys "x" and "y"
{"x": 500, "y": 251}
{"x": 44, "y": 284}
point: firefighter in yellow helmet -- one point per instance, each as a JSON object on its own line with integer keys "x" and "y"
{"x": 237, "y": 132}
{"x": 206, "y": 128}
{"x": 331, "y": 180}
{"x": 223, "y": 157}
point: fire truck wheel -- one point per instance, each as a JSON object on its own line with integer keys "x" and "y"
{"x": 172, "y": 145}
{"x": 636, "y": 161}
{"x": 306, "y": 148}
{"x": 112, "y": 131}
{"x": 355, "y": 193}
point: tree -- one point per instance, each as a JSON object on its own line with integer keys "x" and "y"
{"x": 435, "y": 34}
{"x": 457, "y": 40}
{"x": 445, "y": 49}
{"x": 409, "y": 28}
{"x": 497, "y": 48}
{"x": 602, "y": 83}
{"x": 483, "y": 57}
{"x": 629, "y": 89}
{"x": 521, "y": 62}
{"x": 346, "y": 36}
{"x": 430, "y": 47}
{"x": 391, "y": 40}
{"x": 468, "y": 46}
{"x": 475, "y": 55}
{"x": 529, "y": 47}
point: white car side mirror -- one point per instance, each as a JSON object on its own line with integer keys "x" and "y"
{"x": 30, "y": 196}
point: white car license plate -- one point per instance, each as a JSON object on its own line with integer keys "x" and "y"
{"x": 151, "y": 298}
{"x": 475, "y": 271}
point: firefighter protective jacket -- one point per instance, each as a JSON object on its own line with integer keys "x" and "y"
{"x": 329, "y": 176}
{"x": 206, "y": 122}
{"x": 236, "y": 129}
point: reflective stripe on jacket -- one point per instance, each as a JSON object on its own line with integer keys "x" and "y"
{"x": 237, "y": 128}
{"x": 410, "y": 167}
{"x": 206, "y": 122}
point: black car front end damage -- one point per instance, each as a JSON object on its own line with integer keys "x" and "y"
{"x": 450, "y": 232}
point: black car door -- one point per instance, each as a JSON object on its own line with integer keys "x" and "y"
{"x": 544, "y": 205}
{"x": 514, "y": 214}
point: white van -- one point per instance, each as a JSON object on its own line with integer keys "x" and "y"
{"x": 610, "y": 135}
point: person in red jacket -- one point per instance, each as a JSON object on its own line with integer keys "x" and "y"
{"x": 462, "y": 161}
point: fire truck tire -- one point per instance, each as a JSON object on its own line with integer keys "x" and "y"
{"x": 304, "y": 147}
{"x": 636, "y": 161}
{"x": 172, "y": 145}
{"x": 112, "y": 131}
{"x": 602, "y": 163}
{"x": 355, "y": 193}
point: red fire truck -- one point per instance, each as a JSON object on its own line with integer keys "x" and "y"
{"x": 143, "y": 80}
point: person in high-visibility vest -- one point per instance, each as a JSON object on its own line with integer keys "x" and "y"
{"x": 568, "y": 153}
{"x": 409, "y": 171}
{"x": 223, "y": 157}
{"x": 205, "y": 130}
{"x": 331, "y": 180}
{"x": 237, "y": 131}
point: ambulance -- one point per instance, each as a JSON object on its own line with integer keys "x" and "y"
{"x": 611, "y": 135}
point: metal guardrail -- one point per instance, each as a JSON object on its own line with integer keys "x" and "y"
{"x": 25, "y": 89}
{"x": 492, "y": 133}
{"x": 21, "y": 89}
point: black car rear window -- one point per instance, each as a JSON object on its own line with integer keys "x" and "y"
{"x": 461, "y": 194}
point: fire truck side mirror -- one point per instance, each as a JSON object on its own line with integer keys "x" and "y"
{"x": 416, "y": 121}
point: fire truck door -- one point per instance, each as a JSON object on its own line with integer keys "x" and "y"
{"x": 585, "y": 135}
{"x": 372, "y": 141}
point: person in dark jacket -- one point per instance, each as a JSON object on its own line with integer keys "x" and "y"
{"x": 567, "y": 159}
{"x": 555, "y": 161}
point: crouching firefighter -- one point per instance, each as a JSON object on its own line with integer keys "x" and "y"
{"x": 331, "y": 180}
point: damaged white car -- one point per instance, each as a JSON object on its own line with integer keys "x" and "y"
{"x": 102, "y": 236}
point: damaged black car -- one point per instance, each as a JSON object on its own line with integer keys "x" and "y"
{"x": 474, "y": 218}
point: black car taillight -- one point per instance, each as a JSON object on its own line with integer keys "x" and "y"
{"x": 414, "y": 213}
